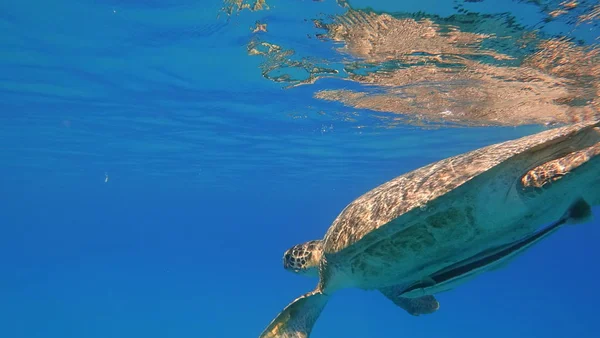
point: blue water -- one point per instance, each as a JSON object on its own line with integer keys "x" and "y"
{"x": 152, "y": 178}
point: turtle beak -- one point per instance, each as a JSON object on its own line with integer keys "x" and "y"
{"x": 286, "y": 260}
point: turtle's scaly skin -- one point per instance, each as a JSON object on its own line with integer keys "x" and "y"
{"x": 303, "y": 258}
{"x": 400, "y": 195}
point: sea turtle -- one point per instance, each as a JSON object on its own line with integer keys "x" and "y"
{"x": 434, "y": 228}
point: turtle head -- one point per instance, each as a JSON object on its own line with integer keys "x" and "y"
{"x": 304, "y": 258}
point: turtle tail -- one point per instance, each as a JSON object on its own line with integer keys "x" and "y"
{"x": 298, "y": 318}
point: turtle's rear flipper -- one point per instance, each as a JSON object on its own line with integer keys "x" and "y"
{"x": 414, "y": 306}
{"x": 579, "y": 212}
{"x": 298, "y": 318}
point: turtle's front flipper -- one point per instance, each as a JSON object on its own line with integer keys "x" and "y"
{"x": 298, "y": 318}
{"x": 414, "y": 306}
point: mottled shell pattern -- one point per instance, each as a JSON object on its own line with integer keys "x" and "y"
{"x": 412, "y": 190}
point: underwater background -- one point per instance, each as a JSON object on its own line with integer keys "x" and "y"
{"x": 158, "y": 157}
